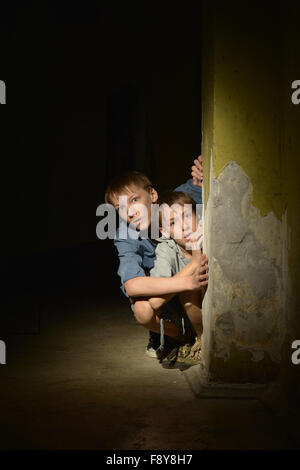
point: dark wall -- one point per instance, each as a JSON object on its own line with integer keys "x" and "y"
{"x": 94, "y": 91}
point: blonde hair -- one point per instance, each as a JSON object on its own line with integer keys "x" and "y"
{"x": 175, "y": 197}
{"x": 122, "y": 181}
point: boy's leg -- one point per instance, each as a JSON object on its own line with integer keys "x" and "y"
{"x": 192, "y": 304}
{"x": 144, "y": 315}
{"x": 150, "y": 319}
{"x": 189, "y": 354}
{"x": 153, "y": 344}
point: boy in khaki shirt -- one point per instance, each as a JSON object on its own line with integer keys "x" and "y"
{"x": 180, "y": 245}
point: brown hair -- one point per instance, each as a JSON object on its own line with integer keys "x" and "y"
{"x": 175, "y": 197}
{"x": 120, "y": 182}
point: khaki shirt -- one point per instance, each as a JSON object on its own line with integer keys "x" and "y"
{"x": 169, "y": 259}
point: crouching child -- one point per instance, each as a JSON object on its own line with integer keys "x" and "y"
{"x": 180, "y": 245}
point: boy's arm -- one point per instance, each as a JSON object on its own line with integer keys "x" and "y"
{"x": 136, "y": 284}
{"x": 157, "y": 302}
{"x": 130, "y": 261}
{"x": 197, "y": 262}
{"x": 156, "y": 286}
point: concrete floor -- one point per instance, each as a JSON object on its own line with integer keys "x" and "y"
{"x": 84, "y": 382}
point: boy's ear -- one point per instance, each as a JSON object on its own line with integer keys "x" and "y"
{"x": 153, "y": 195}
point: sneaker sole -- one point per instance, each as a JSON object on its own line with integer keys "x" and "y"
{"x": 151, "y": 353}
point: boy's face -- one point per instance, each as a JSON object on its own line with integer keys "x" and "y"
{"x": 134, "y": 206}
{"x": 179, "y": 224}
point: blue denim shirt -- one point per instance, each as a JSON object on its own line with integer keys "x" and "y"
{"x": 137, "y": 255}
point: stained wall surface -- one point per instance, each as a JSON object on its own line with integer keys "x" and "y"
{"x": 251, "y": 149}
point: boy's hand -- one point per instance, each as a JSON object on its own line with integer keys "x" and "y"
{"x": 197, "y": 171}
{"x": 201, "y": 261}
{"x": 196, "y": 240}
{"x": 199, "y": 279}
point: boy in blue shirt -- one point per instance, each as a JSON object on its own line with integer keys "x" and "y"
{"x": 137, "y": 253}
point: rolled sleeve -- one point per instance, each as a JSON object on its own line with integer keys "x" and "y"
{"x": 194, "y": 191}
{"x": 163, "y": 262}
{"x": 130, "y": 261}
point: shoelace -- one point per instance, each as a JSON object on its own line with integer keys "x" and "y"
{"x": 162, "y": 332}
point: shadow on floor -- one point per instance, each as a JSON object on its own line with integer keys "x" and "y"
{"x": 82, "y": 381}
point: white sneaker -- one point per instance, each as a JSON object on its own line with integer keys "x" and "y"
{"x": 151, "y": 352}
{"x": 153, "y": 344}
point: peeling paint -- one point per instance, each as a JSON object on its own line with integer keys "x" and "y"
{"x": 243, "y": 304}
{"x": 248, "y": 118}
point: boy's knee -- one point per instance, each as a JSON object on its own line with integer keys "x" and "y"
{"x": 188, "y": 299}
{"x": 143, "y": 312}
